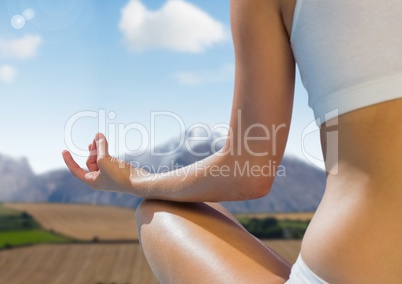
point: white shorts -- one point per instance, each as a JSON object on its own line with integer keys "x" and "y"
{"x": 301, "y": 274}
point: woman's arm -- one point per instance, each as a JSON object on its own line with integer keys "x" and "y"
{"x": 259, "y": 124}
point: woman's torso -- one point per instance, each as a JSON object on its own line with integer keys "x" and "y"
{"x": 356, "y": 233}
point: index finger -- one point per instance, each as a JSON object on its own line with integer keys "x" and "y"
{"x": 74, "y": 168}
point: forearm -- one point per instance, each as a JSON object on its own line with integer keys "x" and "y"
{"x": 220, "y": 177}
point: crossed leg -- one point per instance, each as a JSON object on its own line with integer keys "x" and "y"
{"x": 204, "y": 243}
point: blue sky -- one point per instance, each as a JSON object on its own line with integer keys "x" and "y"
{"x": 127, "y": 58}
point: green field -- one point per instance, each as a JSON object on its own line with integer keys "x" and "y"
{"x": 272, "y": 228}
{"x": 17, "y": 238}
{"x": 19, "y": 228}
{"x": 13, "y": 220}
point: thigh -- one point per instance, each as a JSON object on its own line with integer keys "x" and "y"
{"x": 204, "y": 243}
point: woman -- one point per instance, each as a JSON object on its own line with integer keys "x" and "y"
{"x": 349, "y": 56}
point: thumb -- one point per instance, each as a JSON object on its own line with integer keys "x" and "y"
{"x": 101, "y": 145}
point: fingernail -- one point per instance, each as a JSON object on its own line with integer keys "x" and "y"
{"x": 101, "y": 147}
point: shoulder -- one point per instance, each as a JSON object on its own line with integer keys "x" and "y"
{"x": 278, "y": 13}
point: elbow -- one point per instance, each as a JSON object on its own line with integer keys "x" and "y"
{"x": 254, "y": 188}
{"x": 252, "y": 179}
{"x": 261, "y": 186}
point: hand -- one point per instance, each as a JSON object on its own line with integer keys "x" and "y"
{"x": 105, "y": 172}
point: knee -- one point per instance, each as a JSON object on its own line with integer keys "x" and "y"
{"x": 148, "y": 209}
{"x": 145, "y": 210}
{"x": 144, "y": 214}
{"x": 154, "y": 213}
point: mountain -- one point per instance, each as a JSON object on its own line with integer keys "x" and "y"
{"x": 17, "y": 179}
{"x": 297, "y": 187}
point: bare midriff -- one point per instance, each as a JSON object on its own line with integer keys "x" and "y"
{"x": 356, "y": 233}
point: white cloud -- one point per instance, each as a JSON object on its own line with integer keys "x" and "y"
{"x": 224, "y": 73}
{"x": 22, "y": 48}
{"x": 7, "y": 73}
{"x": 178, "y": 25}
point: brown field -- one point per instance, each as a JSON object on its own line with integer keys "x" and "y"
{"x": 79, "y": 264}
{"x": 83, "y": 222}
{"x": 91, "y": 263}
{"x": 303, "y": 216}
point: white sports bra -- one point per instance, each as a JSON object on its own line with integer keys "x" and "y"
{"x": 349, "y": 53}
